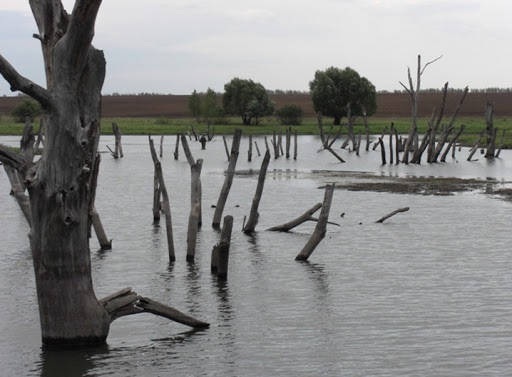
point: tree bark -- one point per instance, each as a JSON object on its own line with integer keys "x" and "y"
{"x": 252, "y": 221}
{"x": 225, "y": 146}
{"x": 228, "y": 180}
{"x": 321, "y": 226}
{"x": 295, "y": 145}
{"x": 249, "y": 152}
{"x": 221, "y": 253}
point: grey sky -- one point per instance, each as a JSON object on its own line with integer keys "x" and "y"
{"x": 175, "y": 46}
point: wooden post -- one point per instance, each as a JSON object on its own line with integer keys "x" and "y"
{"x": 156, "y": 196}
{"x": 222, "y": 248}
{"x": 257, "y": 148}
{"x": 177, "y": 147}
{"x": 306, "y": 216}
{"x": 382, "y": 219}
{"x": 228, "y": 180}
{"x": 225, "y": 146}
{"x": 165, "y": 205}
{"x": 295, "y": 145}
{"x": 321, "y": 226}
{"x": 250, "y": 226}
{"x": 249, "y": 153}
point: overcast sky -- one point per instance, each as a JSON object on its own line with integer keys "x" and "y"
{"x": 175, "y": 46}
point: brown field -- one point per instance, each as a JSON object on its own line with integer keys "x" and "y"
{"x": 388, "y": 104}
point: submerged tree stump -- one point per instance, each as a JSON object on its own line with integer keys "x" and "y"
{"x": 220, "y": 252}
{"x": 321, "y": 226}
{"x": 118, "y": 148}
{"x": 252, "y": 221}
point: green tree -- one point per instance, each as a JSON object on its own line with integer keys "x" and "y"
{"x": 290, "y": 115}
{"x": 27, "y": 108}
{"x": 246, "y": 99}
{"x": 194, "y": 104}
{"x": 334, "y": 88}
{"x": 211, "y": 112}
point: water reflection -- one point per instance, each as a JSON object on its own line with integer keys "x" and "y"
{"x": 55, "y": 362}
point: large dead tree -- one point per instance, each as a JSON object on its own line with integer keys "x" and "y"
{"x": 59, "y": 182}
{"x": 414, "y": 95}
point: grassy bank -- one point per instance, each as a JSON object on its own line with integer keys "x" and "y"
{"x": 167, "y": 126}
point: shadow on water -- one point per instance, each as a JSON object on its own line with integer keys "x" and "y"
{"x": 55, "y": 362}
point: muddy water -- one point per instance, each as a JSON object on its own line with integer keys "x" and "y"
{"x": 426, "y": 293}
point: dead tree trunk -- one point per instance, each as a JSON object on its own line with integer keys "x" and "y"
{"x": 161, "y": 146}
{"x": 165, "y": 205}
{"x": 280, "y": 142}
{"x": 257, "y": 148}
{"x": 366, "y": 129}
{"x": 384, "y": 218}
{"x": 452, "y": 144}
{"x": 501, "y": 144}
{"x": 414, "y": 95}
{"x": 59, "y": 183}
{"x": 195, "y": 217}
{"x": 157, "y": 206}
{"x": 274, "y": 144}
{"x": 321, "y": 226}
{"x": 382, "y": 151}
{"x": 475, "y": 146}
{"x": 228, "y": 180}
{"x": 306, "y": 216}
{"x": 288, "y": 142}
{"x": 177, "y": 147}
{"x": 391, "y": 145}
{"x": 222, "y": 249}
{"x": 397, "y": 147}
{"x": 105, "y": 243}
{"x": 225, "y": 146}
{"x": 250, "y": 226}
{"x": 491, "y": 132}
{"x": 118, "y": 149}
{"x": 249, "y": 153}
{"x": 295, "y": 145}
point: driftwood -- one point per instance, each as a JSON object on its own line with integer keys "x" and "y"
{"x": 126, "y": 302}
{"x": 228, "y": 180}
{"x": 306, "y": 216}
{"x": 225, "y": 146}
{"x": 177, "y": 147}
{"x": 165, "y": 205}
{"x": 321, "y": 226}
{"x": 384, "y": 218}
{"x": 252, "y": 221}
{"x": 220, "y": 252}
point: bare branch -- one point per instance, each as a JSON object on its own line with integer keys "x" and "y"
{"x": 406, "y": 89}
{"x": 23, "y": 84}
{"x": 10, "y": 158}
{"x": 428, "y": 63}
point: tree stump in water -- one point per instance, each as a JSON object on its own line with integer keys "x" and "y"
{"x": 250, "y": 226}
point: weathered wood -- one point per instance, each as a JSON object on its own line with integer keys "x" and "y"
{"x": 266, "y": 143}
{"x": 118, "y": 149}
{"x": 391, "y": 129}
{"x": 280, "y": 142}
{"x": 440, "y": 145}
{"x": 126, "y": 302}
{"x": 161, "y": 146}
{"x": 228, "y": 179}
{"x": 295, "y": 145}
{"x": 103, "y": 240}
{"x": 382, "y": 151}
{"x": 165, "y": 204}
{"x": 358, "y": 144}
{"x": 249, "y": 152}
{"x": 490, "y": 131}
{"x": 321, "y": 226}
{"x": 195, "y": 189}
{"x": 252, "y": 221}
{"x": 157, "y": 206}
{"x": 257, "y": 148}
{"x": 452, "y": 144}
{"x": 399, "y": 210}
{"x": 502, "y": 143}
{"x": 475, "y": 146}
{"x": 366, "y": 129}
{"x": 288, "y": 141}
{"x": 225, "y": 146}
{"x": 222, "y": 253}
{"x": 177, "y": 147}
{"x": 321, "y": 128}
{"x": 306, "y": 216}
{"x": 275, "y": 145}
{"x": 335, "y": 155}
{"x": 18, "y": 191}
{"x": 397, "y": 147}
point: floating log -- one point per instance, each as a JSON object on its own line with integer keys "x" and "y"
{"x": 228, "y": 180}
{"x": 177, "y": 147}
{"x": 250, "y": 226}
{"x": 306, "y": 216}
{"x": 321, "y": 226}
{"x": 222, "y": 253}
{"x": 382, "y": 219}
{"x": 225, "y": 146}
{"x": 165, "y": 205}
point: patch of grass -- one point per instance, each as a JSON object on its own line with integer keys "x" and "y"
{"x": 172, "y": 126}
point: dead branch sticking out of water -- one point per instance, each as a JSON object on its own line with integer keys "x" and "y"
{"x": 384, "y": 218}
{"x": 250, "y": 226}
{"x": 296, "y": 222}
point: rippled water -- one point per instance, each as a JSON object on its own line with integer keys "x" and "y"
{"x": 426, "y": 293}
